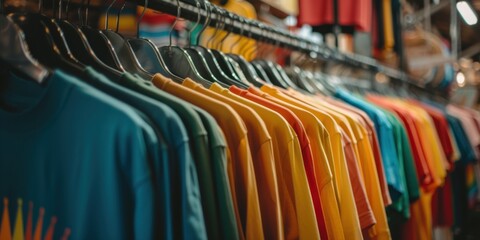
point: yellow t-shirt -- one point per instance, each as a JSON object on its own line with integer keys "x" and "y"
{"x": 295, "y": 199}
{"x": 262, "y": 151}
{"x": 240, "y": 165}
{"x": 346, "y": 201}
{"x": 318, "y": 136}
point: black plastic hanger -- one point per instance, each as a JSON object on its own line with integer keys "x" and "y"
{"x": 100, "y": 44}
{"x": 178, "y": 61}
{"x": 196, "y": 56}
{"x": 295, "y": 74}
{"x": 284, "y": 76}
{"x": 41, "y": 44}
{"x": 220, "y": 56}
{"x": 14, "y": 52}
{"x": 124, "y": 52}
{"x": 272, "y": 73}
{"x": 211, "y": 60}
{"x": 82, "y": 51}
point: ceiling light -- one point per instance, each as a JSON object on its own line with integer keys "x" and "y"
{"x": 460, "y": 79}
{"x": 467, "y": 12}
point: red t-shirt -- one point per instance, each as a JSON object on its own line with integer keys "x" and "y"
{"x": 355, "y": 13}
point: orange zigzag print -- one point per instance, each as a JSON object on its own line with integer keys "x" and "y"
{"x": 26, "y": 233}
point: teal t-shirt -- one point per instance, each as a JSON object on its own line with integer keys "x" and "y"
{"x": 182, "y": 215}
{"x": 72, "y": 154}
{"x": 386, "y": 139}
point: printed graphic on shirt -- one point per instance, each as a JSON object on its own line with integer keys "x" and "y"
{"x": 22, "y": 232}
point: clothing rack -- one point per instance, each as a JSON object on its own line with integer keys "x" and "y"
{"x": 193, "y": 10}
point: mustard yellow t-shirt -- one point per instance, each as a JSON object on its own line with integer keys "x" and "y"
{"x": 319, "y": 136}
{"x": 240, "y": 168}
{"x": 295, "y": 199}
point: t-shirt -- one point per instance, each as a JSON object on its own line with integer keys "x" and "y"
{"x": 354, "y": 154}
{"x": 350, "y": 13}
{"x": 262, "y": 151}
{"x": 424, "y": 176}
{"x": 280, "y": 131}
{"x": 199, "y": 146}
{"x": 185, "y": 205}
{"x": 299, "y": 130}
{"x": 265, "y": 168}
{"x": 71, "y": 176}
{"x": 218, "y": 153}
{"x": 345, "y": 141}
{"x": 319, "y": 136}
{"x": 387, "y": 143}
{"x": 243, "y": 183}
{"x": 375, "y": 147}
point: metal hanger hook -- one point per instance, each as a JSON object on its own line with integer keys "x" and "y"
{"x": 118, "y": 16}
{"x": 107, "y": 12}
{"x": 189, "y": 32}
{"x": 207, "y": 21}
{"x": 217, "y": 26}
{"x": 141, "y": 17}
{"x": 179, "y": 11}
{"x": 220, "y": 43}
{"x": 242, "y": 21}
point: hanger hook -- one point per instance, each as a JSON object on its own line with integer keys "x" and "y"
{"x": 179, "y": 11}
{"x": 86, "y": 12}
{"x": 261, "y": 36}
{"x": 207, "y": 21}
{"x": 118, "y": 16}
{"x": 242, "y": 21}
{"x": 141, "y": 17}
{"x": 217, "y": 26}
{"x": 67, "y": 6}
{"x": 189, "y": 32}
{"x": 79, "y": 12}
{"x": 220, "y": 43}
{"x": 107, "y": 12}
{"x": 249, "y": 35}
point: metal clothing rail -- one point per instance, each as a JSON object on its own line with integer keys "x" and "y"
{"x": 193, "y": 10}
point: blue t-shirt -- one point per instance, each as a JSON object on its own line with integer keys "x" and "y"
{"x": 182, "y": 215}
{"x": 386, "y": 139}
{"x": 72, "y": 154}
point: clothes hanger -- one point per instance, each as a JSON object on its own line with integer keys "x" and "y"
{"x": 58, "y": 36}
{"x": 211, "y": 60}
{"x": 220, "y": 56}
{"x": 125, "y": 54}
{"x": 41, "y": 43}
{"x": 237, "y": 71}
{"x": 100, "y": 44}
{"x": 14, "y": 52}
{"x": 178, "y": 61}
{"x": 147, "y": 53}
{"x": 247, "y": 68}
{"x": 233, "y": 62}
{"x": 82, "y": 49}
{"x": 197, "y": 56}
